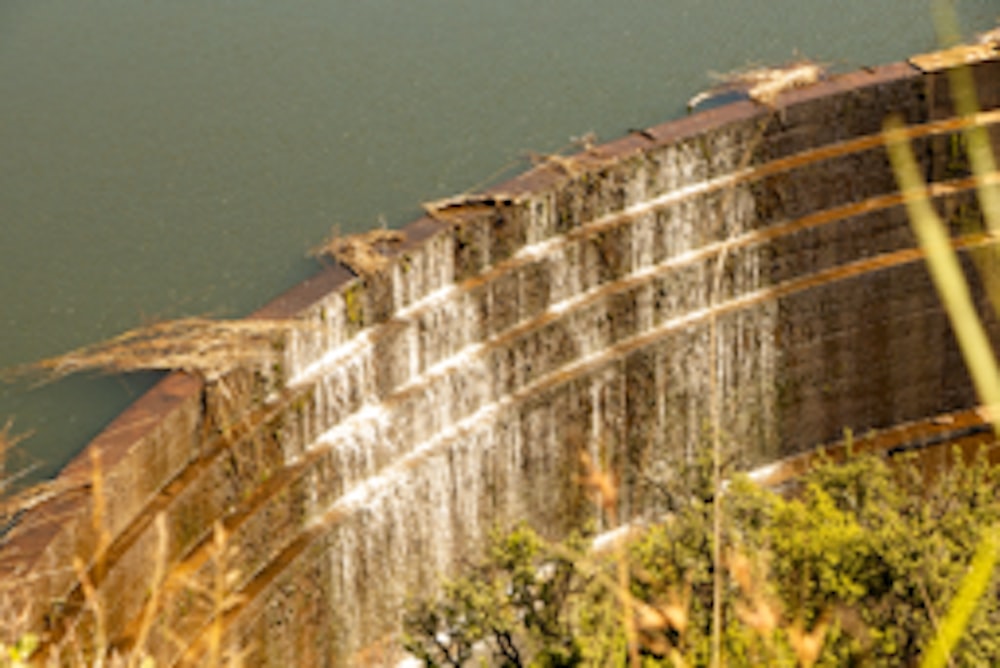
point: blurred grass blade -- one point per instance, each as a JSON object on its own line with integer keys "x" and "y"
{"x": 946, "y": 272}
{"x": 973, "y": 586}
{"x": 977, "y": 139}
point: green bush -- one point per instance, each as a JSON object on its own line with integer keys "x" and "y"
{"x": 856, "y": 566}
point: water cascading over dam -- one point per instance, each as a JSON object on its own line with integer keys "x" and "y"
{"x": 594, "y": 304}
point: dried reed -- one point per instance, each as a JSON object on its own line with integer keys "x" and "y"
{"x": 8, "y": 441}
{"x": 365, "y": 253}
{"x": 97, "y": 644}
{"x": 13, "y": 500}
{"x": 763, "y": 84}
{"x": 203, "y": 346}
{"x": 605, "y": 490}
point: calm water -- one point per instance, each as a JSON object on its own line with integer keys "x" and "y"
{"x": 178, "y": 157}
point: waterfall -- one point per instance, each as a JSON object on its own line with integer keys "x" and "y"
{"x": 455, "y": 391}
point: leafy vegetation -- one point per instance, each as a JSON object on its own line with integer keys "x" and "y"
{"x": 856, "y": 567}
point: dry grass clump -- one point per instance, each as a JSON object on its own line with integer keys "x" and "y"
{"x": 439, "y": 208}
{"x": 11, "y": 501}
{"x": 14, "y": 503}
{"x": 206, "y": 347}
{"x": 763, "y": 84}
{"x": 989, "y": 38}
{"x": 569, "y": 165}
{"x": 7, "y": 442}
{"x": 363, "y": 253}
{"x": 84, "y": 637}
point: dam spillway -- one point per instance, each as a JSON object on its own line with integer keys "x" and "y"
{"x": 594, "y": 304}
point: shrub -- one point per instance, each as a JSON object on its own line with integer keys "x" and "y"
{"x": 855, "y": 566}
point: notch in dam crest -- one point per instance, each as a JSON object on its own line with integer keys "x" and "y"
{"x": 568, "y": 310}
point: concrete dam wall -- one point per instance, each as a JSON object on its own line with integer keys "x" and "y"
{"x": 596, "y": 304}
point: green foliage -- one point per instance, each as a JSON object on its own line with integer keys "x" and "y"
{"x": 966, "y": 600}
{"x": 513, "y": 606}
{"x": 864, "y": 556}
{"x": 18, "y": 654}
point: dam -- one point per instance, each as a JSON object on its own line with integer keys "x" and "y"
{"x": 754, "y": 261}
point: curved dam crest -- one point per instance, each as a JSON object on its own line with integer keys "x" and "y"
{"x": 573, "y": 309}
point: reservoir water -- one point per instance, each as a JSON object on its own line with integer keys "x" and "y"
{"x": 163, "y": 159}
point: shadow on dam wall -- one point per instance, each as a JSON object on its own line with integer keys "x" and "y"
{"x": 570, "y": 309}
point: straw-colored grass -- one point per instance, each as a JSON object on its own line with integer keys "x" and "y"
{"x": 765, "y": 84}
{"x": 365, "y": 253}
{"x": 12, "y": 499}
{"x": 762, "y": 84}
{"x": 8, "y": 440}
{"x": 202, "y": 346}
{"x": 88, "y": 641}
